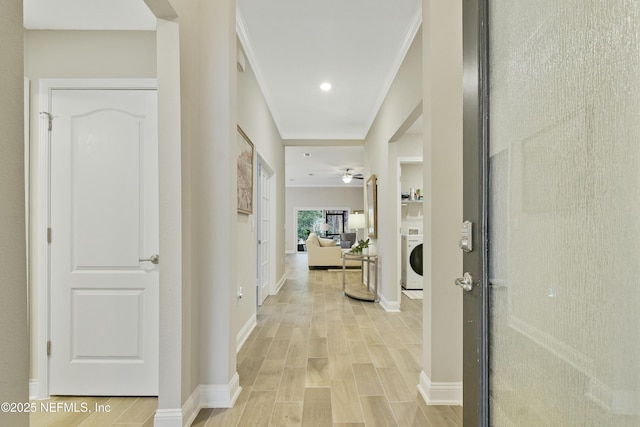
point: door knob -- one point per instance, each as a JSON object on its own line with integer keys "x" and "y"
{"x": 466, "y": 282}
{"x": 153, "y": 259}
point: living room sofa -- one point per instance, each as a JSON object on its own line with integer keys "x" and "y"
{"x": 324, "y": 253}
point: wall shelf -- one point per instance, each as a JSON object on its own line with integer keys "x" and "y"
{"x": 410, "y": 202}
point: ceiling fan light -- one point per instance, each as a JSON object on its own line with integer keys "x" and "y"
{"x": 346, "y": 178}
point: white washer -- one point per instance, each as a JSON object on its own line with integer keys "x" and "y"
{"x": 412, "y": 261}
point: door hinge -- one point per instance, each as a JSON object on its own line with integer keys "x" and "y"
{"x": 48, "y": 348}
{"x": 49, "y": 118}
{"x": 49, "y": 235}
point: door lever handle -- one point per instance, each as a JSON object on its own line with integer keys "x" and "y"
{"x": 466, "y": 282}
{"x": 153, "y": 259}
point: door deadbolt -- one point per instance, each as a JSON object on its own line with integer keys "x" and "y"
{"x": 466, "y": 236}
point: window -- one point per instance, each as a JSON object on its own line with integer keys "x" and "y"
{"x": 337, "y": 221}
{"x": 312, "y": 221}
{"x": 309, "y": 221}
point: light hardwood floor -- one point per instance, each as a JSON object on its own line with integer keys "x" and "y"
{"x": 318, "y": 358}
{"x": 71, "y": 411}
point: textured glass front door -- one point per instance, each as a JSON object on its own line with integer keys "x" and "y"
{"x": 564, "y": 213}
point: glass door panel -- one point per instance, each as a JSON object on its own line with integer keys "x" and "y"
{"x": 308, "y": 221}
{"x": 336, "y": 221}
{"x": 564, "y": 213}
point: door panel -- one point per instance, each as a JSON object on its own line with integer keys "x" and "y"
{"x": 564, "y": 197}
{"x": 118, "y": 335}
{"x": 264, "y": 232}
{"x": 559, "y": 141}
{"x": 104, "y": 220}
{"x": 105, "y": 190}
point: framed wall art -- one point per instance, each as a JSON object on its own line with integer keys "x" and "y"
{"x": 372, "y": 207}
{"x": 245, "y": 173}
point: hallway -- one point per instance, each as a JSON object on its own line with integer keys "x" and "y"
{"x": 318, "y": 358}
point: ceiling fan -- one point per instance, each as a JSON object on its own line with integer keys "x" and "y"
{"x": 348, "y": 176}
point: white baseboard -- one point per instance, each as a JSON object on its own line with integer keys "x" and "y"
{"x": 389, "y": 306}
{"x": 34, "y": 389}
{"x": 244, "y": 333}
{"x": 208, "y": 396}
{"x": 280, "y": 284}
{"x": 220, "y": 395}
{"x": 191, "y": 407}
{"x": 169, "y": 418}
{"x": 433, "y": 393}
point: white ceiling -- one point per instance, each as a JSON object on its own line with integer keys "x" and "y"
{"x": 323, "y": 167}
{"x": 356, "y": 45}
{"x": 293, "y": 46}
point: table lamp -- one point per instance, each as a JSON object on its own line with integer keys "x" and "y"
{"x": 357, "y": 222}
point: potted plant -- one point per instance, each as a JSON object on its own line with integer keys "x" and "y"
{"x": 361, "y": 248}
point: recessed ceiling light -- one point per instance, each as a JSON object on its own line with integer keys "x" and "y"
{"x": 326, "y": 86}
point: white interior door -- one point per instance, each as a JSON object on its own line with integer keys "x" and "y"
{"x": 264, "y": 231}
{"x": 104, "y": 219}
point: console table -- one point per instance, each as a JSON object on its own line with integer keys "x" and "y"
{"x": 360, "y": 291}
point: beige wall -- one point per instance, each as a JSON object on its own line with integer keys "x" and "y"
{"x": 209, "y": 120}
{"x": 402, "y": 99}
{"x": 209, "y": 130}
{"x": 170, "y": 181}
{"x": 442, "y": 113}
{"x": 90, "y": 53}
{"x": 431, "y": 73}
{"x": 215, "y": 98}
{"x": 256, "y": 121}
{"x": 73, "y": 54}
{"x": 412, "y": 177}
{"x": 410, "y": 145}
{"x": 14, "y": 352}
{"x": 318, "y": 198}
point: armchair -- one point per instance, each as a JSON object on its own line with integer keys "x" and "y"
{"x": 347, "y": 240}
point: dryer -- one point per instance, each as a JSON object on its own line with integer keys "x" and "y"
{"x": 412, "y": 261}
